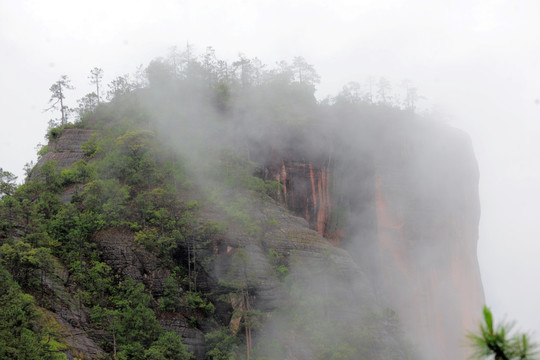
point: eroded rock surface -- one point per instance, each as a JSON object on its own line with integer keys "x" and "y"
{"x": 306, "y": 190}
{"x": 129, "y": 259}
{"x": 79, "y": 344}
{"x": 192, "y": 337}
{"x": 66, "y": 150}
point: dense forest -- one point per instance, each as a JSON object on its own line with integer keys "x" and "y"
{"x": 168, "y": 167}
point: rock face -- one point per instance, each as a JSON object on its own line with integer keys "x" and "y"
{"x": 306, "y": 190}
{"x": 66, "y": 149}
{"x": 427, "y": 210}
{"x": 291, "y": 239}
{"x": 315, "y": 268}
{"x": 79, "y": 344}
{"x": 129, "y": 259}
{"x": 411, "y": 193}
{"x": 70, "y": 320}
{"x": 192, "y": 337}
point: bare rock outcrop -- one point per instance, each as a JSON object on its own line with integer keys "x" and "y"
{"x": 69, "y": 318}
{"x": 306, "y": 190}
{"x": 66, "y": 149}
{"x": 78, "y": 344}
{"x": 128, "y": 259}
{"x": 192, "y": 337}
{"x": 306, "y": 254}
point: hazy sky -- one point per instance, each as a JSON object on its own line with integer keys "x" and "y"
{"x": 478, "y": 62}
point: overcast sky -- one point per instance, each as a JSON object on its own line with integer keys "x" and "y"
{"x": 477, "y": 62}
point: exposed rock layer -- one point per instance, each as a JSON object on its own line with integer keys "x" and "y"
{"x": 129, "y": 259}
{"x": 66, "y": 149}
{"x": 306, "y": 190}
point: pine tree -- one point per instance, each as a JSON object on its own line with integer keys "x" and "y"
{"x": 58, "y": 96}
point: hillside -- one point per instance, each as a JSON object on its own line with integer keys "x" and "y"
{"x": 224, "y": 212}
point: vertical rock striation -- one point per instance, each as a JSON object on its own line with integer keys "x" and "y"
{"x": 306, "y": 190}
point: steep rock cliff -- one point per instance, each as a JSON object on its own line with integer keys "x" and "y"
{"x": 410, "y": 191}
{"x": 306, "y": 190}
{"x": 65, "y": 148}
{"x": 302, "y": 162}
{"x": 427, "y": 210}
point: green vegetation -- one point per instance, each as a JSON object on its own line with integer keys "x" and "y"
{"x": 7, "y": 183}
{"x": 166, "y": 149}
{"x": 123, "y": 182}
{"x": 496, "y": 341}
{"x": 221, "y": 345}
{"x": 169, "y": 346}
{"x": 20, "y": 336}
{"x": 279, "y": 263}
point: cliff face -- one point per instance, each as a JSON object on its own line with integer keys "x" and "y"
{"x": 66, "y": 148}
{"x": 306, "y": 190}
{"x": 411, "y": 191}
{"x": 427, "y": 209}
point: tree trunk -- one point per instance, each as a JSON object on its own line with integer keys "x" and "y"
{"x": 62, "y": 110}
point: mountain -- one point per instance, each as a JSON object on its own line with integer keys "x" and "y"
{"x": 237, "y": 217}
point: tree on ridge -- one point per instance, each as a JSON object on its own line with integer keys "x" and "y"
{"x": 57, "y": 97}
{"x": 96, "y": 74}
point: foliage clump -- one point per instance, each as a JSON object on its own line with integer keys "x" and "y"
{"x": 497, "y": 341}
{"x": 20, "y": 334}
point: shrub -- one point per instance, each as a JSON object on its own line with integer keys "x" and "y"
{"x": 196, "y": 302}
{"x": 90, "y": 148}
{"x": 54, "y": 133}
{"x": 221, "y": 345}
